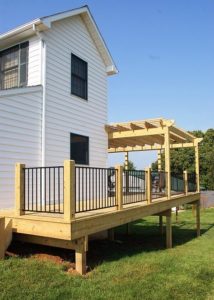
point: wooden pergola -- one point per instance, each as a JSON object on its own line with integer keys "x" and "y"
{"x": 153, "y": 134}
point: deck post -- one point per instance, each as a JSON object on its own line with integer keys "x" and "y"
{"x": 69, "y": 190}
{"x": 80, "y": 255}
{"x": 2, "y": 238}
{"x": 185, "y": 182}
{"x": 111, "y": 234}
{"x": 161, "y": 224}
{"x": 197, "y": 168}
{"x": 198, "y": 218}
{"x": 167, "y": 161}
{"x": 148, "y": 186}
{"x": 128, "y": 228}
{"x": 19, "y": 189}
{"x": 119, "y": 186}
{"x": 169, "y": 229}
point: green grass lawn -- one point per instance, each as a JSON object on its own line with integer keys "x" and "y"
{"x": 132, "y": 267}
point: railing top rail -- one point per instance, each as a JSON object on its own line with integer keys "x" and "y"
{"x": 98, "y": 168}
{"x": 50, "y": 167}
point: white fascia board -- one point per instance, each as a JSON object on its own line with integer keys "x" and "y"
{"x": 93, "y": 28}
{"x": 57, "y": 17}
{"x": 20, "y": 29}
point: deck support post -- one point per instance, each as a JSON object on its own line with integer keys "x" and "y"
{"x": 119, "y": 186}
{"x": 169, "y": 229}
{"x": 2, "y": 238}
{"x": 111, "y": 234}
{"x": 148, "y": 186}
{"x": 69, "y": 190}
{"x": 128, "y": 228}
{"x": 80, "y": 255}
{"x": 161, "y": 224}
{"x": 19, "y": 189}
{"x": 167, "y": 162}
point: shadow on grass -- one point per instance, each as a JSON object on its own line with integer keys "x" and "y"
{"x": 144, "y": 237}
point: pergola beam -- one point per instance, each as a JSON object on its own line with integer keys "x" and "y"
{"x": 136, "y": 133}
{"x": 181, "y": 133}
{"x": 148, "y": 148}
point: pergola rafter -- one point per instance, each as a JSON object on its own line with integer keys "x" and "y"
{"x": 153, "y": 134}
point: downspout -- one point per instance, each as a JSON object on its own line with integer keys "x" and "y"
{"x": 43, "y": 80}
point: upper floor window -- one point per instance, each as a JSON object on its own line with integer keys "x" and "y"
{"x": 79, "y": 77}
{"x": 14, "y": 66}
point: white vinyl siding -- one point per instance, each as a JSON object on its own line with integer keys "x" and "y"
{"x": 34, "y": 62}
{"x": 20, "y": 136}
{"x": 66, "y": 113}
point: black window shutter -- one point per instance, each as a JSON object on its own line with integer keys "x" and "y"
{"x": 23, "y": 73}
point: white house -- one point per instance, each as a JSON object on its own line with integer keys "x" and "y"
{"x": 53, "y": 95}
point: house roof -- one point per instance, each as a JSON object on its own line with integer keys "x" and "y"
{"x": 44, "y": 23}
{"x": 147, "y": 135}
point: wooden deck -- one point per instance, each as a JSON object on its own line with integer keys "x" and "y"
{"x": 54, "y": 230}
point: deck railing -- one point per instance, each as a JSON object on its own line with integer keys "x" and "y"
{"x": 134, "y": 186}
{"x": 192, "y": 186}
{"x": 158, "y": 184}
{"x": 71, "y": 189}
{"x": 95, "y": 188}
{"x": 43, "y": 189}
{"x": 177, "y": 183}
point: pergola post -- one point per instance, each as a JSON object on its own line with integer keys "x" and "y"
{"x": 148, "y": 186}
{"x": 159, "y": 161}
{"x": 197, "y": 168}
{"x": 167, "y": 162}
{"x": 185, "y": 182}
{"x": 126, "y": 173}
{"x": 126, "y": 160}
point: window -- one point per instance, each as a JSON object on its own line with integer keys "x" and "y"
{"x": 79, "y": 77}
{"x": 80, "y": 149}
{"x": 14, "y": 66}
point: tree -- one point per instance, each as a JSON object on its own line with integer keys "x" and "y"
{"x": 184, "y": 159}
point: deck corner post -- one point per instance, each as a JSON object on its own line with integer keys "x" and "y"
{"x": 148, "y": 185}
{"x": 119, "y": 186}
{"x": 185, "y": 182}
{"x": 69, "y": 190}
{"x": 80, "y": 255}
{"x": 19, "y": 189}
{"x": 169, "y": 229}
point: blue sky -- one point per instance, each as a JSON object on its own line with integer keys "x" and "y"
{"x": 164, "y": 50}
